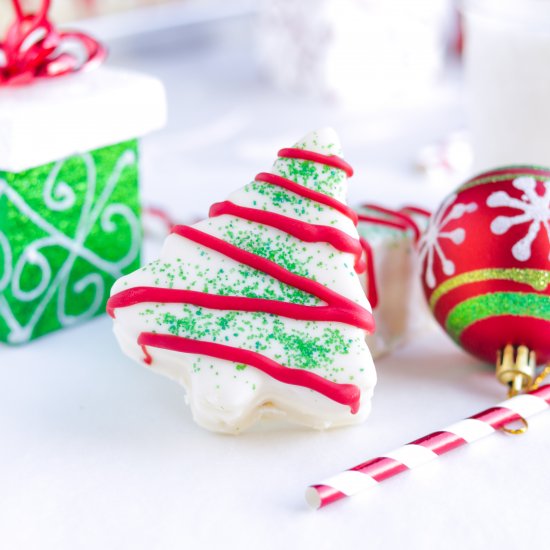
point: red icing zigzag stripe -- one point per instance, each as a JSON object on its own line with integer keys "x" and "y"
{"x": 144, "y": 294}
{"x": 345, "y": 394}
{"x": 307, "y": 232}
{"x": 307, "y": 193}
{"x": 338, "y": 308}
{"x": 329, "y": 160}
{"x": 276, "y": 271}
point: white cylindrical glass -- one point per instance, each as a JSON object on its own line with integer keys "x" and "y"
{"x": 507, "y": 59}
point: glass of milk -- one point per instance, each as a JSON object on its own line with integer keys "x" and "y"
{"x": 507, "y": 60}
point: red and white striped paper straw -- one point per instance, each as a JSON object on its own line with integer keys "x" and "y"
{"x": 416, "y": 453}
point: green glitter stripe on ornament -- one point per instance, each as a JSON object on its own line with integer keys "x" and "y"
{"x": 506, "y": 176}
{"x": 539, "y": 279}
{"x": 495, "y": 305}
{"x": 68, "y": 230}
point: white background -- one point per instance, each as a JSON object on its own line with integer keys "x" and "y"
{"x": 96, "y": 452}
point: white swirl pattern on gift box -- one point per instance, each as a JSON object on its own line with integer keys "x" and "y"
{"x": 535, "y": 209}
{"x": 59, "y": 197}
{"x": 429, "y": 246}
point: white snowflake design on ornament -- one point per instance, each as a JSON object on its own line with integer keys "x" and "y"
{"x": 535, "y": 209}
{"x": 429, "y": 246}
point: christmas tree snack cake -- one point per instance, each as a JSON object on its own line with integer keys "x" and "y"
{"x": 258, "y": 310}
{"x": 391, "y": 280}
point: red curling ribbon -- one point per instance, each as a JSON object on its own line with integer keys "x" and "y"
{"x": 160, "y": 214}
{"x": 397, "y": 219}
{"x": 400, "y": 218}
{"x": 33, "y": 48}
{"x": 409, "y": 209}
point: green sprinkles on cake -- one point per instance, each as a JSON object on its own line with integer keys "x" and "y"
{"x": 306, "y": 348}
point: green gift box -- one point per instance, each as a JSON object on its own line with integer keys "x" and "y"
{"x": 69, "y": 203}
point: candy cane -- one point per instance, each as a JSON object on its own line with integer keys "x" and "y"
{"x": 416, "y": 453}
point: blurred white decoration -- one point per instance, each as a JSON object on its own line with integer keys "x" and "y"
{"x": 448, "y": 162}
{"x": 507, "y": 55}
{"x": 367, "y": 52}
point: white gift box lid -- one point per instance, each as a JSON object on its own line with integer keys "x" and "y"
{"x": 51, "y": 119}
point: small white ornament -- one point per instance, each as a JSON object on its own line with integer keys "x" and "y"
{"x": 429, "y": 246}
{"x": 535, "y": 209}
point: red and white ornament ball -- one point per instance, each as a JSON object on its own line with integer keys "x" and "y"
{"x": 486, "y": 262}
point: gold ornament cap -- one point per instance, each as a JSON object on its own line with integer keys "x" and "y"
{"x": 516, "y": 367}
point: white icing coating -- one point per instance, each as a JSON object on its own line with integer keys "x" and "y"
{"x": 229, "y": 397}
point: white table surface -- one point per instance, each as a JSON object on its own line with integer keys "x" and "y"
{"x": 96, "y": 452}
